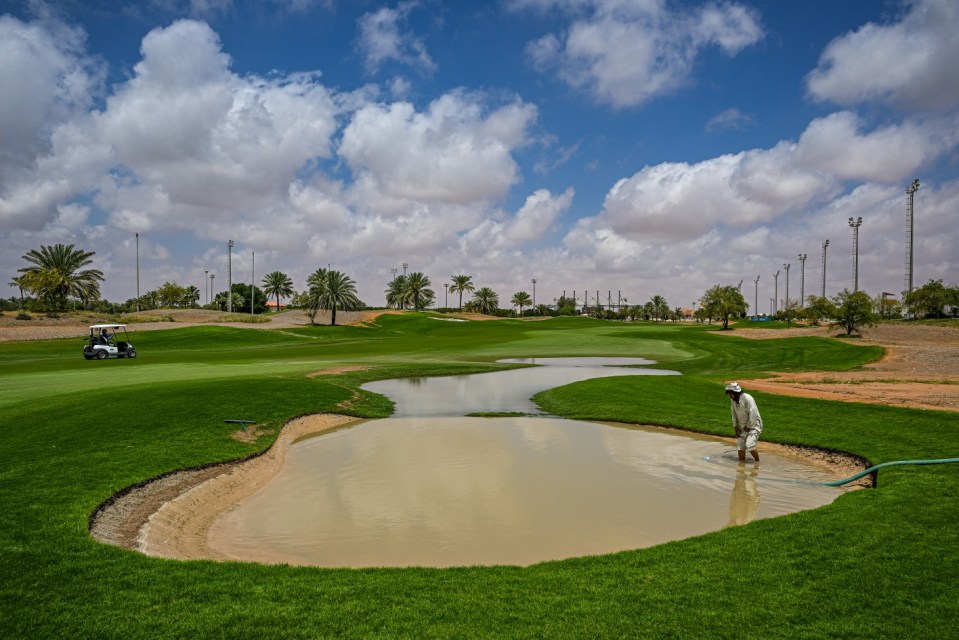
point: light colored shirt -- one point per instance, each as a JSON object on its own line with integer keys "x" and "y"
{"x": 746, "y": 413}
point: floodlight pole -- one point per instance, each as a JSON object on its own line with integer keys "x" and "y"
{"x": 138, "y": 272}
{"x": 855, "y": 252}
{"x": 802, "y": 279}
{"x": 786, "y": 267}
{"x": 824, "y": 245}
{"x": 206, "y": 285}
{"x": 534, "y": 293}
{"x": 212, "y": 276}
{"x": 756, "y": 298}
{"x": 229, "y": 277}
{"x": 911, "y": 192}
{"x": 776, "y": 292}
{"x": 252, "y": 280}
{"x": 446, "y": 304}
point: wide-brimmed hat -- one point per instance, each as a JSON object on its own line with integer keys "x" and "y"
{"x": 734, "y": 387}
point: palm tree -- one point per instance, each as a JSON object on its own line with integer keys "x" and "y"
{"x": 56, "y": 273}
{"x": 19, "y": 282}
{"x": 191, "y": 296}
{"x": 418, "y": 291}
{"x": 521, "y": 299}
{"x": 462, "y": 284}
{"x": 277, "y": 284}
{"x": 330, "y": 289}
{"x": 396, "y": 293}
{"x": 486, "y": 300}
{"x": 660, "y": 307}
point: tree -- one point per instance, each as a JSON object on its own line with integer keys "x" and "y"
{"x": 723, "y": 301}
{"x": 396, "y": 293}
{"x": 521, "y": 299}
{"x": 462, "y": 284}
{"x": 485, "y": 300}
{"x": 929, "y": 300}
{"x": 191, "y": 295}
{"x": 660, "y": 307}
{"x": 418, "y": 290}
{"x": 56, "y": 273}
{"x": 854, "y": 311}
{"x": 170, "y": 294}
{"x": 329, "y": 290}
{"x": 277, "y": 285}
{"x": 818, "y": 308}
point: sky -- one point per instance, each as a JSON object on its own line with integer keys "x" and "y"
{"x": 630, "y": 147}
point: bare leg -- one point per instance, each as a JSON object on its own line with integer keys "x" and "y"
{"x": 742, "y": 455}
{"x": 755, "y": 453}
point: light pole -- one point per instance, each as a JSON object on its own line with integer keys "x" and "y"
{"x": 911, "y": 192}
{"x": 802, "y": 278}
{"x": 775, "y": 292}
{"x": 206, "y": 285}
{"x": 755, "y": 298}
{"x": 138, "y": 272}
{"x": 229, "y": 277}
{"x": 534, "y": 293}
{"x": 786, "y": 267}
{"x": 212, "y": 275}
{"x": 252, "y": 280}
{"x": 855, "y": 252}
{"x": 824, "y": 245}
{"x": 446, "y": 285}
{"x": 405, "y": 265}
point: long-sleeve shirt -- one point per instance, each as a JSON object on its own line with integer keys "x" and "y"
{"x": 746, "y": 413}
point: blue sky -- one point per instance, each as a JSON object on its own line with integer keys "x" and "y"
{"x": 637, "y": 146}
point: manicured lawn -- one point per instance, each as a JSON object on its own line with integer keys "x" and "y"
{"x": 875, "y": 563}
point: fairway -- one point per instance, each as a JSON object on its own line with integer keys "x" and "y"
{"x": 76, "y": 432}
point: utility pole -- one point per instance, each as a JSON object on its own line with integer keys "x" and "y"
{"x": 855, "y": 224}
{"x": 824, "y": 245}
{"x": 802, "y": 279}
{"x": 911, "y": 192}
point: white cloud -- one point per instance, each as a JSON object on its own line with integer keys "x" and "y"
{"x": 910, "y": 62}
{"x": 730, "y": 119}
{"x": 453, "y": 152}
{"x": 381, "y": 39}
{"x": 627, "y": 53}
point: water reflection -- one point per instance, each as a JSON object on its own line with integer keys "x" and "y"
{"x": 744, "y": 501}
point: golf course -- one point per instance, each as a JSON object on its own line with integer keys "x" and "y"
{"x": 875, "y": 563}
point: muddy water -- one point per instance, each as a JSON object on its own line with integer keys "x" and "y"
{"x": 452, "y": 490}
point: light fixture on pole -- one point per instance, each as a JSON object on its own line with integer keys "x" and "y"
{"x": 138, "y": 272}
{"x": 405, "y": 265}
{"x": 855, "y": 224}
{"x": 775, "y": 292}
{"x": 786, "y": 304}
{"x": 911, "y": 192}
{"x": 252, "y": 280}
{"x": 534, "y": 293}
{"x": 802, "y": 278}
{"x": 446, "y": 285}
{"x": 229, "y": 277}
{"x": 206, "y": 286}
{"x": 212, "y": 275}
{"x": 824, "y": 245}
{"x": 756, "y": 298}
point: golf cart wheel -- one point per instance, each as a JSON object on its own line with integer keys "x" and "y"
{"x": 88, "y": 357}
{"x": 131, "y": 353}
{"x": 101, "y": 355}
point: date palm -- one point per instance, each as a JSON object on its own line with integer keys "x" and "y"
{"x": 521, "y": 299}
{"x": 396, "y": 293}
{"x": 277, "y": 285}
{"x": 485, "y": 300}
{"x": 56, "y": 273}
{"x": 418, "y": 290}
{"x": 462, "y": 284}
{"x": 329, "y": 290}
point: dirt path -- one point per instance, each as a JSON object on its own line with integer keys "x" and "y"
{"x": 920, "y": 368}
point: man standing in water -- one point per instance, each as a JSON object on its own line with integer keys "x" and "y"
{"x": 746, "y": 420}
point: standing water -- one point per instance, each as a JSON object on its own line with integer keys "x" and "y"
{"x": 432, "y": 487}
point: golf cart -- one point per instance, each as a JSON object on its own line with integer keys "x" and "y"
{"x": 103, "y": 342}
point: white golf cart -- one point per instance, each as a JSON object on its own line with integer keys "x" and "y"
{"x": 104, "y": 341}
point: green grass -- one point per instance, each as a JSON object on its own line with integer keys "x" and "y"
{"x": 876, "y": 563}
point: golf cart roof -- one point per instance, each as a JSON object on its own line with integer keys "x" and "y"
{"x": 107, "y": 326}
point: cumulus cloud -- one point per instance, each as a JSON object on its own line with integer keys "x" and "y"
{"x": 627, "y": 53}
{"x": 910, "y": 62}
{"x": 382, "y": 39}
{"x": 452, "y": 152}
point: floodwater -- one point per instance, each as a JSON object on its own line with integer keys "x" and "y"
{"x": 433, "y": 489}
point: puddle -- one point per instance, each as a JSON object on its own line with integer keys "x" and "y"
{"x": 433, "y": 489}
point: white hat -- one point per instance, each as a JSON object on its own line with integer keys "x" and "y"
{"x": 733, "y": 386}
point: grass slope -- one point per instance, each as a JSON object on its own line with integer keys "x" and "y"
{"x": 877, "y": 563}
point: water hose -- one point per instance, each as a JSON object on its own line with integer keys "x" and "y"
{"x": 838, "y": 483}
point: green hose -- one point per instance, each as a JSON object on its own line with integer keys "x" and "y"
{"x": 838, "y": 483}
